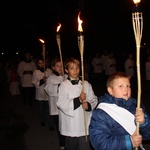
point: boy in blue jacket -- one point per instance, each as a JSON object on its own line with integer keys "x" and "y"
{"x": 113, "y": 122}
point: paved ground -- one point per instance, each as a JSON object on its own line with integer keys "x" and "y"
{"x": 20, "y": 128}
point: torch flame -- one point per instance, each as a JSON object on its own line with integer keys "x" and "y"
{"x": 80, "y": 23}
{"x": 58, "y": 28}
{"x": 136, "y": 1}
{"x": 42, "y": 41}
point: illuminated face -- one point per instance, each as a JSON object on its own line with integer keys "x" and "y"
{"x": 120, "y": 88}
{"x": 58, "y": 67}
{"x": 41, "y": 63}
{"x": 73, "y": 71}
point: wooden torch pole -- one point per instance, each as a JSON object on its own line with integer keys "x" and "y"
{"x": 43, "y": 53}
{"x": 59, "y": 47}
{"x": 137, "y": 20}
{"x": 81, "y": 48}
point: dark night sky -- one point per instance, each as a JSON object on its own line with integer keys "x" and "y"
{"x": 106, "y": 25}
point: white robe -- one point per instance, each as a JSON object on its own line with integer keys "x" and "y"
{"x": 51, "y": 89}
{"x": 40, "y": 93}
{"x": 71, "y": 122}
{"x": 26, "y": 78}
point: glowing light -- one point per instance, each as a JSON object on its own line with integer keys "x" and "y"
{"x": 136, "y": 1}
{"x": 42, "y": 41}
{"x": 58, "y": 27}
{"x": 80, "y": 23}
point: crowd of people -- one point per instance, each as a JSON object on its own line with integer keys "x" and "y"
{"x": 69, "y": 105}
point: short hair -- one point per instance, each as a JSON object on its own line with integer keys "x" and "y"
{"x": 116, "y": 75}
{"x": 55, "y": 60}
{"x": 70, "y": 61}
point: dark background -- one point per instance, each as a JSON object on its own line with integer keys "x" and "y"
{"x": 106, "y": 25}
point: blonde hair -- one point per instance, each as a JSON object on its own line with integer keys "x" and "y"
{"x": 114, "y": 76}
{"x": 70, "y": 61}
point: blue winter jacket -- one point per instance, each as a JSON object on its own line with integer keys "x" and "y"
{"x": 107, "y": 134}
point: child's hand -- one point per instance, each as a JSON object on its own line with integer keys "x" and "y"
{"x": 84, "y": 105}
{"x": 82, "y": 97}
{"x": 44, "y": 78}
{"x": 136, "y": 139}
{"x": 139, "y": 116}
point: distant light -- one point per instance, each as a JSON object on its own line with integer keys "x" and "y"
{"x": 2, "y": 53}
{"x": 17, "y": 53}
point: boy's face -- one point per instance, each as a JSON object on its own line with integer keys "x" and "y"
{"x": 73, "y": 71}
{"x": 120, "y": 88}
{"x": 58, "y": 67}
{"x": 41, "y": 63}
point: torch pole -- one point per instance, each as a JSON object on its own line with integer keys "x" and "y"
{"x": 59, "y": 47}
{"x": 43, "y": 51}
{"x": 137, "y": 20}
{"x": 81, "y": 48}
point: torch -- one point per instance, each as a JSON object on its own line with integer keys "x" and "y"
{"x": 43, "y": 53}
{"x": 137, "y": 20}
{"x": 43, "y": 50}
{"x": 59, "y": 45}
{"x": 81, "y": 49}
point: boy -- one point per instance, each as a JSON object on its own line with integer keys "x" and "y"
{"x": 112, "y": 124}
{"x": 52, "y": 85}
{"x": 72, "y": 103}
{"x": 38, "y": 80}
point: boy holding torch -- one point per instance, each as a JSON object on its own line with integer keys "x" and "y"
{"x": 113, "y": 122}
{"x": 71, "y": 102}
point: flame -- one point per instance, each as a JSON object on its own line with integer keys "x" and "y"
{"x": 80, "y": 23}
{"x": 58, "y": 28}
{"x": 136, "y": 1}
{"x": 42, "y": 41}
